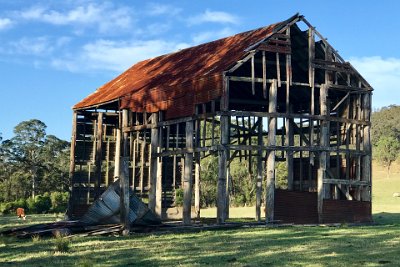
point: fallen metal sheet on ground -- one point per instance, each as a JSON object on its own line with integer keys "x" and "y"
{"x": 103, "y": 217}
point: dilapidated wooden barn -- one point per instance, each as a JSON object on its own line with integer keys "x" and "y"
{"x": 277, "y": 93}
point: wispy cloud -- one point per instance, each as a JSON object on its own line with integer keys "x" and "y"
{"x": 211, "y": 35}
{"x": 107, "y": 55}
{"x": 384, "y": 75}
{"x": 154, "y": 9}
{"x": 5, "y": 23}
{"x": 215, "y": 17}
{"x": 106, "y": 17}
{"x": 38, "y": 46}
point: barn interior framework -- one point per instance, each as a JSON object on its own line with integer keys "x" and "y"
{"x": 279, "y": 93}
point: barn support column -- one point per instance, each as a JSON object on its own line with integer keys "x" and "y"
{"x": 366, "y": 192}
{"x": 117, "y": 157}
{"x": 187, "y": 178}
{"x": 124, "y": 175}
{"x": 270, "y": 191}
{"x": 154, "y": 165}
{"x": 72, "y": 164}
{"x": 159, "y": 170}
{"x": 323, "y": 157}
{"x": 260, "y": 171}
{"x": 99, "y": 153}
{"x": 223, "y": 155}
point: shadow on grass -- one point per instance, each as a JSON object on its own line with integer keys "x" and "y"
{"x": 374, "y": 245}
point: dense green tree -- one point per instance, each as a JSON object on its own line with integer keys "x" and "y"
{"x": 385, "y": 123}
{"x": 386, "y": 151}
{"x": 32, "y": 162}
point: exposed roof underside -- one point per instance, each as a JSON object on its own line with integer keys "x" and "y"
{"x": 192, "y": 75}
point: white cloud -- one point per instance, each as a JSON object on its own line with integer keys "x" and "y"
{"x": 106, "y": 55}
{"x": 5, "y": 23}
{"x": 105, "y": 17}
{"x": 38, "y": 46}
{"x": 211, "y": 35}
{"x": 214, "y": 16}
{"x": 161, "y": 9}
{"x": 384, "y": 76}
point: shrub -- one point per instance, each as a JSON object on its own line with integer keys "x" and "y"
{"x": 179, "y": 197}
{"x": 61, "y": 244}
{"x": 40, "y": 204}
{"x": 11, "y": 207}
{"x": 59, "y": 201}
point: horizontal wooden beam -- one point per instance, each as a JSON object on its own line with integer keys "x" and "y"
{"x": 347, "y": 182}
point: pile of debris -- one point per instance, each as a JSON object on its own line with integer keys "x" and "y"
{"x": 103, "y": 217}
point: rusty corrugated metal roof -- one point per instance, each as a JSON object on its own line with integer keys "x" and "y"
{"x": 176, "y": 82}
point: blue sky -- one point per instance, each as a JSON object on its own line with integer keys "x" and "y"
{"x": 54, "y": 53}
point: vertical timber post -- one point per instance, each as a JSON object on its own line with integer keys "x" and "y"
{"x": 187, "y": 179}
{"x": 366, "y": 193}
{"x": 197, "y": 171}
{"x": 323, "y": 154}
{"x": 223, "y": 155}
{"x": 159, "y": 170}
{"x": 98, "y": 154}
{"x": 260, "y": 172}
{"x": 117, "y": 157}
{"x": 72, "y": 165}
{"x": 153, "y": 164}
{"x": 270, "y": 197}
{"x": 124, "y": 175}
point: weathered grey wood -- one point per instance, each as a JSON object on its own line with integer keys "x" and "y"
{"x": 347, "y": 182}
{"x": 153, "y": 165}
{"x": 270, "y": 188}
{"x": 253, "y": 90}
{"x": 197, "y": 170}
{"x": 187, "y": 179}
{"x": 72, "y": 162}
{"x": 159, "y": 169}
{"x": 99, "y": 153}
{"x": 124, "y": 176}
{"x": 324, "y": 136}
{"x": 278, "y": 70}
{"x": 366, "y": 160}
{"x": 222, "y": 171}
{"x": 134, "y": 164}
{"x": 260, "y": 172}
{"x": 289, "y": 154}
{"x": 264, "y": 78}
{"x": 117, "y": 158}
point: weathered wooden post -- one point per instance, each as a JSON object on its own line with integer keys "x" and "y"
{"x": 99, "y": 153}
{"x": 72, "y": 164}
{"x": 366, "y": 162}
{"x": 323, "y": 156}
{"x": 223, "y": 155}
{"x": 153, "y": 164}
{"x": 187, "y": 178}
{"x": 270, "y": 198}
{"x": 260, "y": 171}
{"x": 124, "y": 175}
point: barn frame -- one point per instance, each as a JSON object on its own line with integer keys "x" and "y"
{"x": 278, "y": 93}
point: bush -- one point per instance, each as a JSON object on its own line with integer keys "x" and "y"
{"x": 11, "y": 207}
{"x": 59, "y": 201}
{"x": 61, "y": 244}
{"x": 178, "y": 197}
{"x": 40, "y": 204}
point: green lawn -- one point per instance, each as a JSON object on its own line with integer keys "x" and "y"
{"x": 377, "y": 245}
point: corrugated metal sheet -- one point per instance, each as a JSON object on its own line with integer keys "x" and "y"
{"x": 106, "y": 209}
{"x": 339, "y": 211}
{"x": 296, "y": 207}
{"x": 177, "y": 81}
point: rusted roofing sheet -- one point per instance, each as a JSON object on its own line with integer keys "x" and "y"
{"x": 176, "y": 82}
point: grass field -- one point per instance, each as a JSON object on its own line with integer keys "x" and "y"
{"x": 377, "y": 245}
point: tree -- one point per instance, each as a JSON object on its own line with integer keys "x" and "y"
{"x": 385, "y": 123}
{"x": 32, "y": 162}
{"x": 386, "y": 151}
